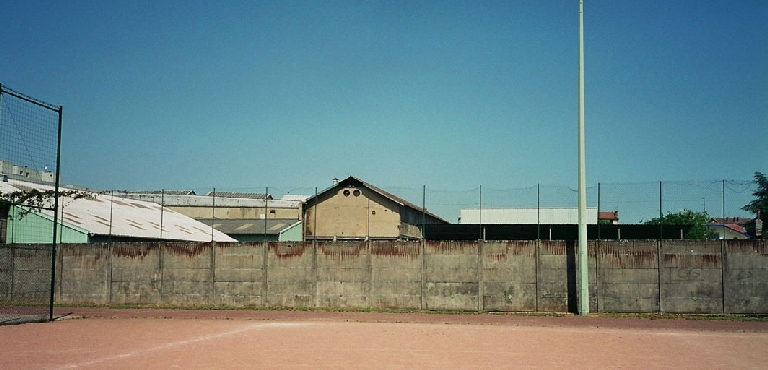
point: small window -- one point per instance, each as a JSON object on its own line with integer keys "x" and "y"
{"x": 373, "y": 212}
{"x": 346, "y": 192}
{"x": 356, "y": 193}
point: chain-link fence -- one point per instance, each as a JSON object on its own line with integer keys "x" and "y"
{"x": 29, "y": 164}
{"x": 258, "y": 209}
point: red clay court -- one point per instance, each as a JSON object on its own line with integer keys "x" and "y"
{"x": 100, "y": 338}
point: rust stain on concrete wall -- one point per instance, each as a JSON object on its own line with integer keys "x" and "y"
{"x": 452, "y": 246}
{"x": 283, "y": 250}
{"x": 693, "y": 261}
{"x": 187, "y": 249}
{"x": 409, "y": 251}
{"x": 342, "y": 252}
{"x": 555, "y": 248}
{"x": 134, "y": 250}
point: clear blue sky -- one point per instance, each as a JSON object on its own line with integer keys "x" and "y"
{"x": 447, "y": 94}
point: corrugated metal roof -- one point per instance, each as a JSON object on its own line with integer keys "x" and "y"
{"x": 160, "y": 192}
{"x": 242, "y": 195}
{"x": 295, "y": 197}
{"x": 208, "y": 201}
{"x": 102, "y": 214}
{"x": 250, "y": 226}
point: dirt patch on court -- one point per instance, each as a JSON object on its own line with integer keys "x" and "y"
{"x": 559, "y": 320}
{"x": 167, "y": 339}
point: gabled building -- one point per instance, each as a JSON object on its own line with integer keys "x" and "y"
{"x": 93, "y": 217}
{"x": 353, "y": 209}
{"x": 729, "y": 227}
{"x": 610, "y": 217}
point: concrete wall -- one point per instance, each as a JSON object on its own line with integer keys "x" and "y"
{"x": 25, "y": 275}
{"x": 625, "y": 276}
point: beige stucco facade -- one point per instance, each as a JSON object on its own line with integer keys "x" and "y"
{"x": 354, "y": 210}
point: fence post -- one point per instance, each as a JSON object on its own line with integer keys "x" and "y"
{"x": 213, "y": 211}
{"x": 480, "y": 289}
{"x": 264, "y": 273}
{"x": 423, "y": 268}
{"x": 659, "y": 274}
{"x": 212, "y": 297}
{"x": 537, "y": 256}
{"x": 538, "y": 212}
{"x": 598, "y": 211}
{"x": 723, "y": 264}
{"x": 597, "y": 273}
{"x": 661, "y": 214}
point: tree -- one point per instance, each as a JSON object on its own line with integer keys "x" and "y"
{"x": 760, "y": 203}
{"x": 697, "y": 221}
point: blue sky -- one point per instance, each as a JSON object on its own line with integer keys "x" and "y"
{"x": 448, "y": 94}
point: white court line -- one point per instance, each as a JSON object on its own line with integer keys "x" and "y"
{"x": 177, "y": 344}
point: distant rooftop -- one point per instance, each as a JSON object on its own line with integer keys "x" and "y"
{"x": 241, "y": 195}
{"x": 159, "y": 192}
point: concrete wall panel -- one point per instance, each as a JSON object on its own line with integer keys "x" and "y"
{"x": 136, "y": 273}
{"x": 746, "y": 276}
{"x": 187, "y": 274}
{"x": 290, "y": 278}
{"x": 84, "y": 273}
{"x": 628, "y": 277}
{"x": 691, "y": 276}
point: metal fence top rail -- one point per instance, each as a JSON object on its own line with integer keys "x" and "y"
{"x": 4, "y": 89}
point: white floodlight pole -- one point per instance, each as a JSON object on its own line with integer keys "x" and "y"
{"x": 583, "y": 268}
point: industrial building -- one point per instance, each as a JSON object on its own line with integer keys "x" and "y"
{"x": 353, "y": 209}
{"x": 243, "y": 216}
{"x": 91, "y": 217}
{"x": 525, "y": 216}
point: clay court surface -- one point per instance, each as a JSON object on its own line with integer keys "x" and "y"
{"x": 96, "y": 338}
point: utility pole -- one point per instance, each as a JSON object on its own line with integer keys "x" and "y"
{"x": 583, "y": 260}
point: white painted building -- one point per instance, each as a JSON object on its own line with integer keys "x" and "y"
{"x": 525, "y": 216}
{"x": 97, "y": 217}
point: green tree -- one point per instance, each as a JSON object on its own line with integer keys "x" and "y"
{"x": 697, "y": 221}
{"x": 760, "y": 203}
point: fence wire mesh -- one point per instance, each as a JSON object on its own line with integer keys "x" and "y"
{"x": 631, "y": 203}
{"x": 29, "y": 155}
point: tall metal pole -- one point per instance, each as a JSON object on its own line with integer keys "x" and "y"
{"x": 724, "y": 220}
{"x": 538, "y": 211}
{"x": 314, "y": 221}
{"x": 423, "y": 210}
{"x": 55, "y": 215}
{"x": 482, "y": 233}
{"x": 213, "y": 212}
{"x": 661, "y": 210}
{"x": 583, "y": 260}
{"x": 162, "y": 208}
